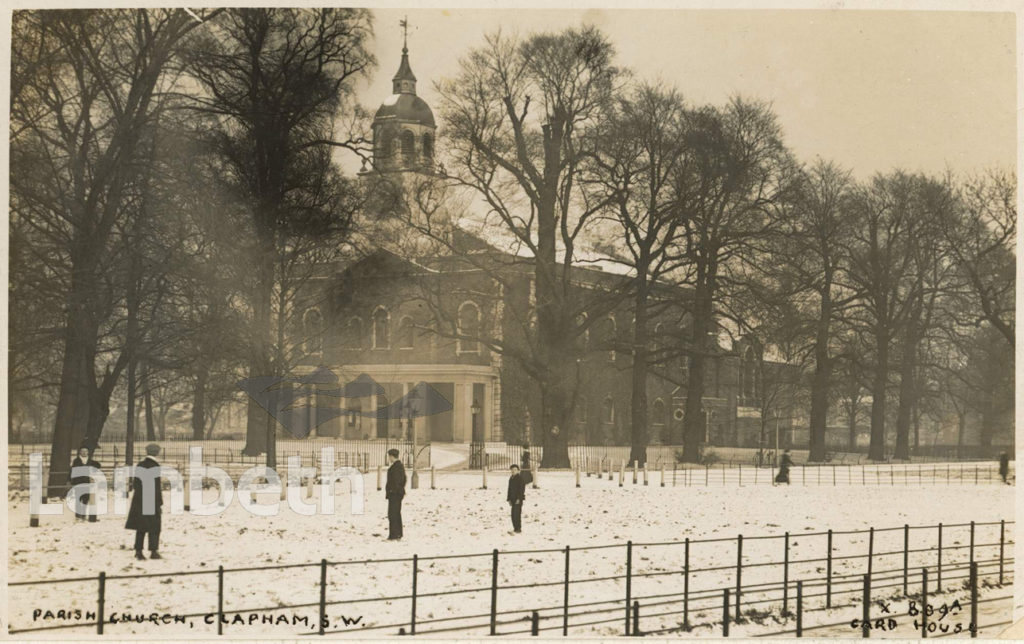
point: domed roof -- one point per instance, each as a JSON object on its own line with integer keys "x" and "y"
{"x": 405, "y": 107}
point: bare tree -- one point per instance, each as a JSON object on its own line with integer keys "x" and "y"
{"x": 516, "y": 116}
{"x": 276, "y": 83}
{"x": 84, "y": 93}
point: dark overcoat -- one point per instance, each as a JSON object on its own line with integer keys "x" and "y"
{"x": 395, "y": 486}
{"x": 137, "y": 520}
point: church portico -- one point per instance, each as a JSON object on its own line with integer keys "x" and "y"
{"x": 386, "y": 414}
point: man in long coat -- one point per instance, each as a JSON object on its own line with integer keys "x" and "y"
{"x": 147, "y": 501}
{"x": 394, "y": 491}
{"x": 516, "y": 496}
{"x": 83, "y": 460}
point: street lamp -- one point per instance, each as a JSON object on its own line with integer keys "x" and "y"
{"x": 477, "y": 447}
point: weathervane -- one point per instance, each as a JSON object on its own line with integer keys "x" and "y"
{"x": 404, "y": 22}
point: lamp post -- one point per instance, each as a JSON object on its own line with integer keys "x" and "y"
{"x": 476, "y": 450}
{"x": 776, "y": 412}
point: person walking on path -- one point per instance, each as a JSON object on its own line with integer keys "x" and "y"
{"x": 147, "y": 502}
{"x": 516, "y": 496}
{"x": 81, "y": 477}
{"x": 394, "y": 491}
{"x": 784, "y": 464}
{"x": 1004, "y": 466}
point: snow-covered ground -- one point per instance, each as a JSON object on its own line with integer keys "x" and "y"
{"x": 459, "y": 518}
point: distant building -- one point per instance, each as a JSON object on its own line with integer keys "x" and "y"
{"x": 412, "y": 313}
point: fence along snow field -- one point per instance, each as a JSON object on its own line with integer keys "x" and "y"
{"x": 714, "y": 586}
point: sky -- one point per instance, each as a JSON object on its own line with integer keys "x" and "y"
{"x": 870, "y": 90}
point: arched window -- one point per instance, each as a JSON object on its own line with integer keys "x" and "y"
{"x": 608, "y": 332}
{"x": 428, "y": 146}
{"x": 608, "y": 411}
{"x": 581, "y": 410}
{"x": 408, "y": 144}
{"x": 469, "y": 328}
{"x": 582, "y": 334}
{"x": 386, "y": 146}
{"x": 658, "y": 413}
{"x": 406, "y": 333}
{"x": 353, "y": 334}
{"x": 381, "y": 330}
{"x": 313, "y": 331}
{"x": 749, "y": 382}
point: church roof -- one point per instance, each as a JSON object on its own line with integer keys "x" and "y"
{"x": 405, "y": 107}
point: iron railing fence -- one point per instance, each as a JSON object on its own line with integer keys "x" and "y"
{"x": 739, "y": 580}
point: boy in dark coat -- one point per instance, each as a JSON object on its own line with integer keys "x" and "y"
{"x": 394, "y": 491}
{"x": 147, "y": 501}
{"x": 84, "y": 459}
{"x": 784, "y": 464}
{"x": 1004, "y": 465}
{"x": 516, "y": 496}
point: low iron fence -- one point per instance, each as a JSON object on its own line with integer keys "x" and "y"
{"x": 650, "y": 587}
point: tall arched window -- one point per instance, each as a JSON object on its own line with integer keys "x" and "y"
{"x": 353, "y": 334}
{"x": 608, "y": 411}
{"x": 582, "y": 334}
{"x": 749, "y": 383}
{"x": 313, "y": 331}
{"x": 658, "y": 413}
{"x": 386, "y": 144}
{"x": 406, "y": 333}
{"x": 408, "y": 145}
{"x": 469, "y": 328}
{"x": 608, "y": 332}
{"x": 428, "y": 146}
{"x": 381, "y": 328}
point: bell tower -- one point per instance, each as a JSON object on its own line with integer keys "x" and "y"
{"x": 403, "y": 127}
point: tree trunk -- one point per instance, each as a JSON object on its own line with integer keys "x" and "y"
{"x": 908, "y": 392}
{"x": 876, "y": 451}
{"x": 199, "y": 406}
{"x": 961, "y": 426}
{"x": 259, "y": 422}
{"x": 851, "y": 419}
{"x": 639, "y": 437}
{"x": 694, "y": 421}
{"x": 147, "y": 399}
{"x": 820, "y": 383}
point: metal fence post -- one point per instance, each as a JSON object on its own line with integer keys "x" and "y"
{"x": 974, "y": 599}
{"x": 534, "y": 624}
{"x": 220, "y": 600}
{"x": 415, "y": 571}
{"x": 323, "y": 594}
{"x": 871, "y": 549}
{"x": 739, "y": 573}
{"x": 494, "y": 591}
{"x": 1002, "y": 542}
{"x": 924, "y": 602}
{"x": 686, "y": 582}
{"x": 636, "y": 619}
{"x": 828, "y": 572}
{"x": 866, "y": 616}
{"x": 725, "y": 612}
{"x": 799, "y": 609}
{"x": 785, "y": 574}
{"x": 99, "y": 603}
{"x": 629, "y": 579}
{"x": 565, "y": 596}
{"x": 938, "y": 571}
{"x": 906, "y": 555}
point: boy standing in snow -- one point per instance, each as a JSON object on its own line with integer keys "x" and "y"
{"x": 516, "y": 496}
{"x": 394, "y": 491}
{"x": 147, "y": 501}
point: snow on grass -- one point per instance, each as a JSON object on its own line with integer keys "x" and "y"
{"x": 459, "y": 518}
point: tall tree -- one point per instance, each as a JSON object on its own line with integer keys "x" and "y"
{"x": 276, "y": 83}
{"x": 640, "y": 153}
{"x": 516, "y": 116}
{"x": 84, "y": 92}
{"x": 740, "y": 177}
